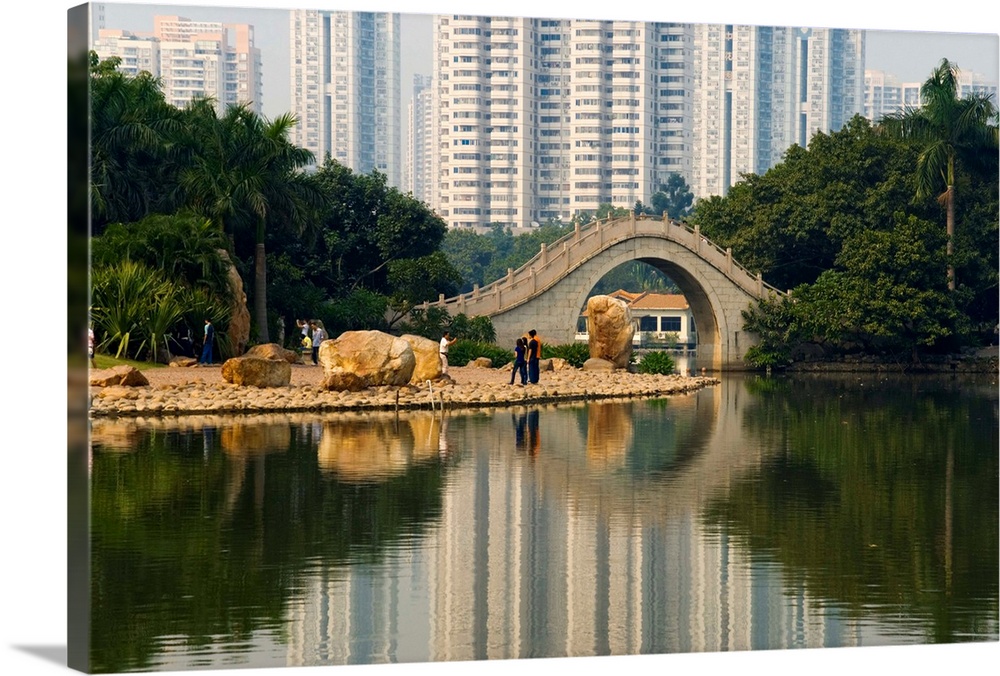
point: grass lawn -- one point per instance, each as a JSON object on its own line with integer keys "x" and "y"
{"x": 104, "y": 361}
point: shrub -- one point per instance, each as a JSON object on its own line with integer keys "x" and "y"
{"x": 657, "y": 362}
{"x": 574, "y": 353}
{"x": 428, "y": 323}
{"x": 464, "y": 351}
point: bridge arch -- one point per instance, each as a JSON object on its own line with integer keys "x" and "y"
{"x": 548, "y": 292}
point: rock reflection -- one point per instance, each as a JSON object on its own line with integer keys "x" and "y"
{"x": 609, "y": 434}
{"x": 378, "y": 449}
{"x": 255, "y": 438}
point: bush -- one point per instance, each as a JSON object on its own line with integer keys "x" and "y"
{"x": 575, "y": 353}
{"x": 659, "y": 363}
{"x": 464, "y": 351}
{"x": 429, "y": 323}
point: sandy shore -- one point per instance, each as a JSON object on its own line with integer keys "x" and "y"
{"x": 201, "y": 390}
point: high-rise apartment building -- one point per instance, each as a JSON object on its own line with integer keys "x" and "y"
{"x": 345, "y": 88}
{"x": 137, "y": 53}
{"x": 538, "y": 119}
{"x": 885, "y": 94}
{"x": 760, "y": 89}
{"x": 417, "y": 176}
{"x": 193, "y": 59}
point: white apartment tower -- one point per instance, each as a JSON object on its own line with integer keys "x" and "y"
{"x": 193, "y": 59}
{"x": 761, "y": 89}
{"x": 417, "y": 178}
{"x": 137, "y": 53}
{"x": 885, "y": 94}
{"x": 539, "y": 119}
{"x": 345, "y": 88}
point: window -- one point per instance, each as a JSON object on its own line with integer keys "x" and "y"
{"x": 647, "y": 323}
{"x": 672, "y": 324}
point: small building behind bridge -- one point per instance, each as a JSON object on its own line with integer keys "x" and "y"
{"x": 661, "y": 320}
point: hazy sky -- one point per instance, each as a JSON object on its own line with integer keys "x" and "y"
{"x": 910, "y": 55}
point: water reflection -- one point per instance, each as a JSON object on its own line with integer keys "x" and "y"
{"x": 758, "y": 514}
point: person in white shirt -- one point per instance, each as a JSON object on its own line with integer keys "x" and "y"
{"x": 446, "y": 340}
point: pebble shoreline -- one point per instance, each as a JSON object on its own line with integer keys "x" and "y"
{"x": 199, "y": 396}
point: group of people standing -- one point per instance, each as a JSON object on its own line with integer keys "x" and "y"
{"x": 313, "y": 334}
{"x": 527, "y": 353}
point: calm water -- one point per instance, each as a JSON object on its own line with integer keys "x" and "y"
{"x": 758, "y": 514}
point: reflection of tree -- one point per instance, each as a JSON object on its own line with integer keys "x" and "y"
{"x": 877, "y": 498}
{"x": 169, "y": 558}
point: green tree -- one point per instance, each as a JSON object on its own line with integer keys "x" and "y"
{"x": 949, "y": 129}
{"x": 130, "y": 125}
{"x": 790, "y": 223}
{"x": 245, "y": 175}
{"x": 673, "y": 198}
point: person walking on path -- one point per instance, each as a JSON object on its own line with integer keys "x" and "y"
{"x": 534, "y": 354}
{"x": 446, "y": 341}
{"x": 206, "y": 348}
{"x": 318, "y": 336}
{"x": 520, "y": 365}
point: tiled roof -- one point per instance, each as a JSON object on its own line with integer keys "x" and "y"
{"x": 647, "y": 300}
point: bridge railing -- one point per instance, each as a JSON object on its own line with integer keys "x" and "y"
{"x": 554, "y": 261}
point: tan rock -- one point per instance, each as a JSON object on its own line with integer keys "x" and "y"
{"x": 273, "y": 351}
{"x": 238, "y": 330}
{"x": 482, "y": 363}
{"x": 125, "y": 375}
{"x": 609, "y": 324}
{"x": 377, "y": 357}
{"x": 257, "y": 372}
{"x": 339, "y": 380}
{"x": 545, "y": 365}
{"x": 559, "y": 364}
{"x": 183, "y": 362}
{"x": 595, "y": 364}
{"x": 425, "y": 351}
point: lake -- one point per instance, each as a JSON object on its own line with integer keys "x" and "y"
{"x": 762, "y": 513}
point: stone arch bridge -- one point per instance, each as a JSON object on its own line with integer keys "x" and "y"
{"x": 549, "y": 291}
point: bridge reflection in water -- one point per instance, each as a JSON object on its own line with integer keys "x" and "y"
{"x": 570, "y": 532}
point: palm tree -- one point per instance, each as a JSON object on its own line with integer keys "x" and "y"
{"x": 130, "y": 125}
{"x": 950, "y": 129}
{"x": 243, "y": 175}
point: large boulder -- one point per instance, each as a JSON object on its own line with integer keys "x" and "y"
{"x": 609, "y": 323}
{"x": 481, "y": 363}
{"x": 273, "y": 351}
{"x": 339, "y": 380}
{"x": 595, "y": 364}
{"x": 428, "y": 362}
{"x": 238, "y": 330}
{"x": 375, "y": 357}
{"x": 257, "y": 372}
{"x": 127, "y": 376}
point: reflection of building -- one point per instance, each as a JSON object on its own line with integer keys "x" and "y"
{"x": 659, "y": 318}
{"x": 529, "y": 561}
